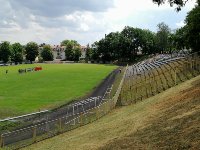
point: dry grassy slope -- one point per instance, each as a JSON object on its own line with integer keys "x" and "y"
{"x": 169, "y": 120}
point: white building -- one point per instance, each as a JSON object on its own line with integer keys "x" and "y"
{"x": 58, "y": 52}
{"x": 83, "y": 52}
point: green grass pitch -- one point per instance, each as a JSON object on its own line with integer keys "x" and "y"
{"x": 55, "y": 85}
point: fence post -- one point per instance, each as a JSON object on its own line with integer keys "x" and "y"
{"x": 146, "y": 90}
{"x": 136, "y": 94}
{"x": 97, "y": 113}
{"x": 105, "y": 109}
{"x": 175, "y": 76}
{"x": 1, "y": 141}
{"x": 198, "y": 65}
{"x": 34, "y": 134}
{"x": 95, "y": 100}
{"x": 60, "y": 124}
{"x": 81, "y": 118}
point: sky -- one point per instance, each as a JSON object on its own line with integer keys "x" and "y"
{"x": 86, "y": 21}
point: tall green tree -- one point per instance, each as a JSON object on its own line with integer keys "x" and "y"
{"x": 162, "y": 37}
{"x": 31, "y": 51}
{"x": 88, "y": 53}
{"x": 193, "y": 27}
{"x": 72, "y": 51}
{"x": 95, "y": 56}
{"x": 5, "y": 51}
{"x": 180, "y": 38}
{"x": 133, "y": 40}
{"x": 47, "y": 53}
{"x": 17, "y": 53}
{"x": 72, "y": 42}
{"x": 77, "y": 53}
{"x": 148, "y": 42}
{"x": 65, "y": 42}
{"x": 69, "y": 54}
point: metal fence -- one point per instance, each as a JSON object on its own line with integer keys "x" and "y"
{"x": 147, "y": 79}
{"x": 76, "y": 115}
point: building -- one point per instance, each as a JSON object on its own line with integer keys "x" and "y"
{"x": 58, "y": 52}
{"x": 83, "y": 52}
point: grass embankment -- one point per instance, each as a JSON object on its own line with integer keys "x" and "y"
{"x": 169, "y": 120}
{"x": 55, "y": 85}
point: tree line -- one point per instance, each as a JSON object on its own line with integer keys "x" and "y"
{"x": 125, "y": 45}
{"x": 17, "y": 53}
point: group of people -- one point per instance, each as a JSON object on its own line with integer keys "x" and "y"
{"x": 26, "y": 70}
{"x": 29, "y": 70}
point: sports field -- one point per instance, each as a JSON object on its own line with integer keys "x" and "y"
{"x": 54, "y": 85}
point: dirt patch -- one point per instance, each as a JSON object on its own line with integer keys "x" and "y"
{"x": 175, "y": 125}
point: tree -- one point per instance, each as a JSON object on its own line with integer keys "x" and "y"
{"x": 31, "y": 50}
{"x": 5, "y": 51}
{"x": 72, "y": 51}
{"x": 65, "y": 42}
{"x": 47, "y": 53}
{"x": 148, "y": 42}
{"x": 193, "y": 27}
{"x": 69, "y": 55}
{"x": 178, "y": 3}
{"x": 123, "y": 46}
{"x": 77, "y": 53}
{"x": 162, "y": 37}
{"x": 133, "y": 40}
{"x": 95, "y": 54}
{"x": 17, "y": 53}
{"x": 103, "y": 48}
{"x": 180, "y": 38}
{"x": 88, "y": 53}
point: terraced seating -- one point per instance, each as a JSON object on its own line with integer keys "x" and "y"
{"x": 149, "y": 77}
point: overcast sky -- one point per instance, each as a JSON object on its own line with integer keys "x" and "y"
{"x": 51, "y": 21}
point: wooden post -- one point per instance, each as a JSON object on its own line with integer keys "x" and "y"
{"x": 198, "y": 65}
{"x": 81, "y": 119}
{"x": 150, "y": 87}
{"x": 1, "y": 141}
{"x": 135, "y": 93}
{"x": 60, "y": 124}
{"x": 131, "y": 93}
{"x": 97, "y": 113}
{"x": 156, "y": 82}
{"x": 146, "y": 91}
{"x": 111, "y": 101}
{"x": 175, "y": 76}
{"x": 192, "y": 64}
{"x": 95, "y": 100}
{"x": 105, "y": 108}
{"x": 34, "y": 134}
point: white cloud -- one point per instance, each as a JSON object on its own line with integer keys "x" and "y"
{"x": 51, "y": 21}
{"x": 180, "y": 24}
{"x": 84, "y": 27}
